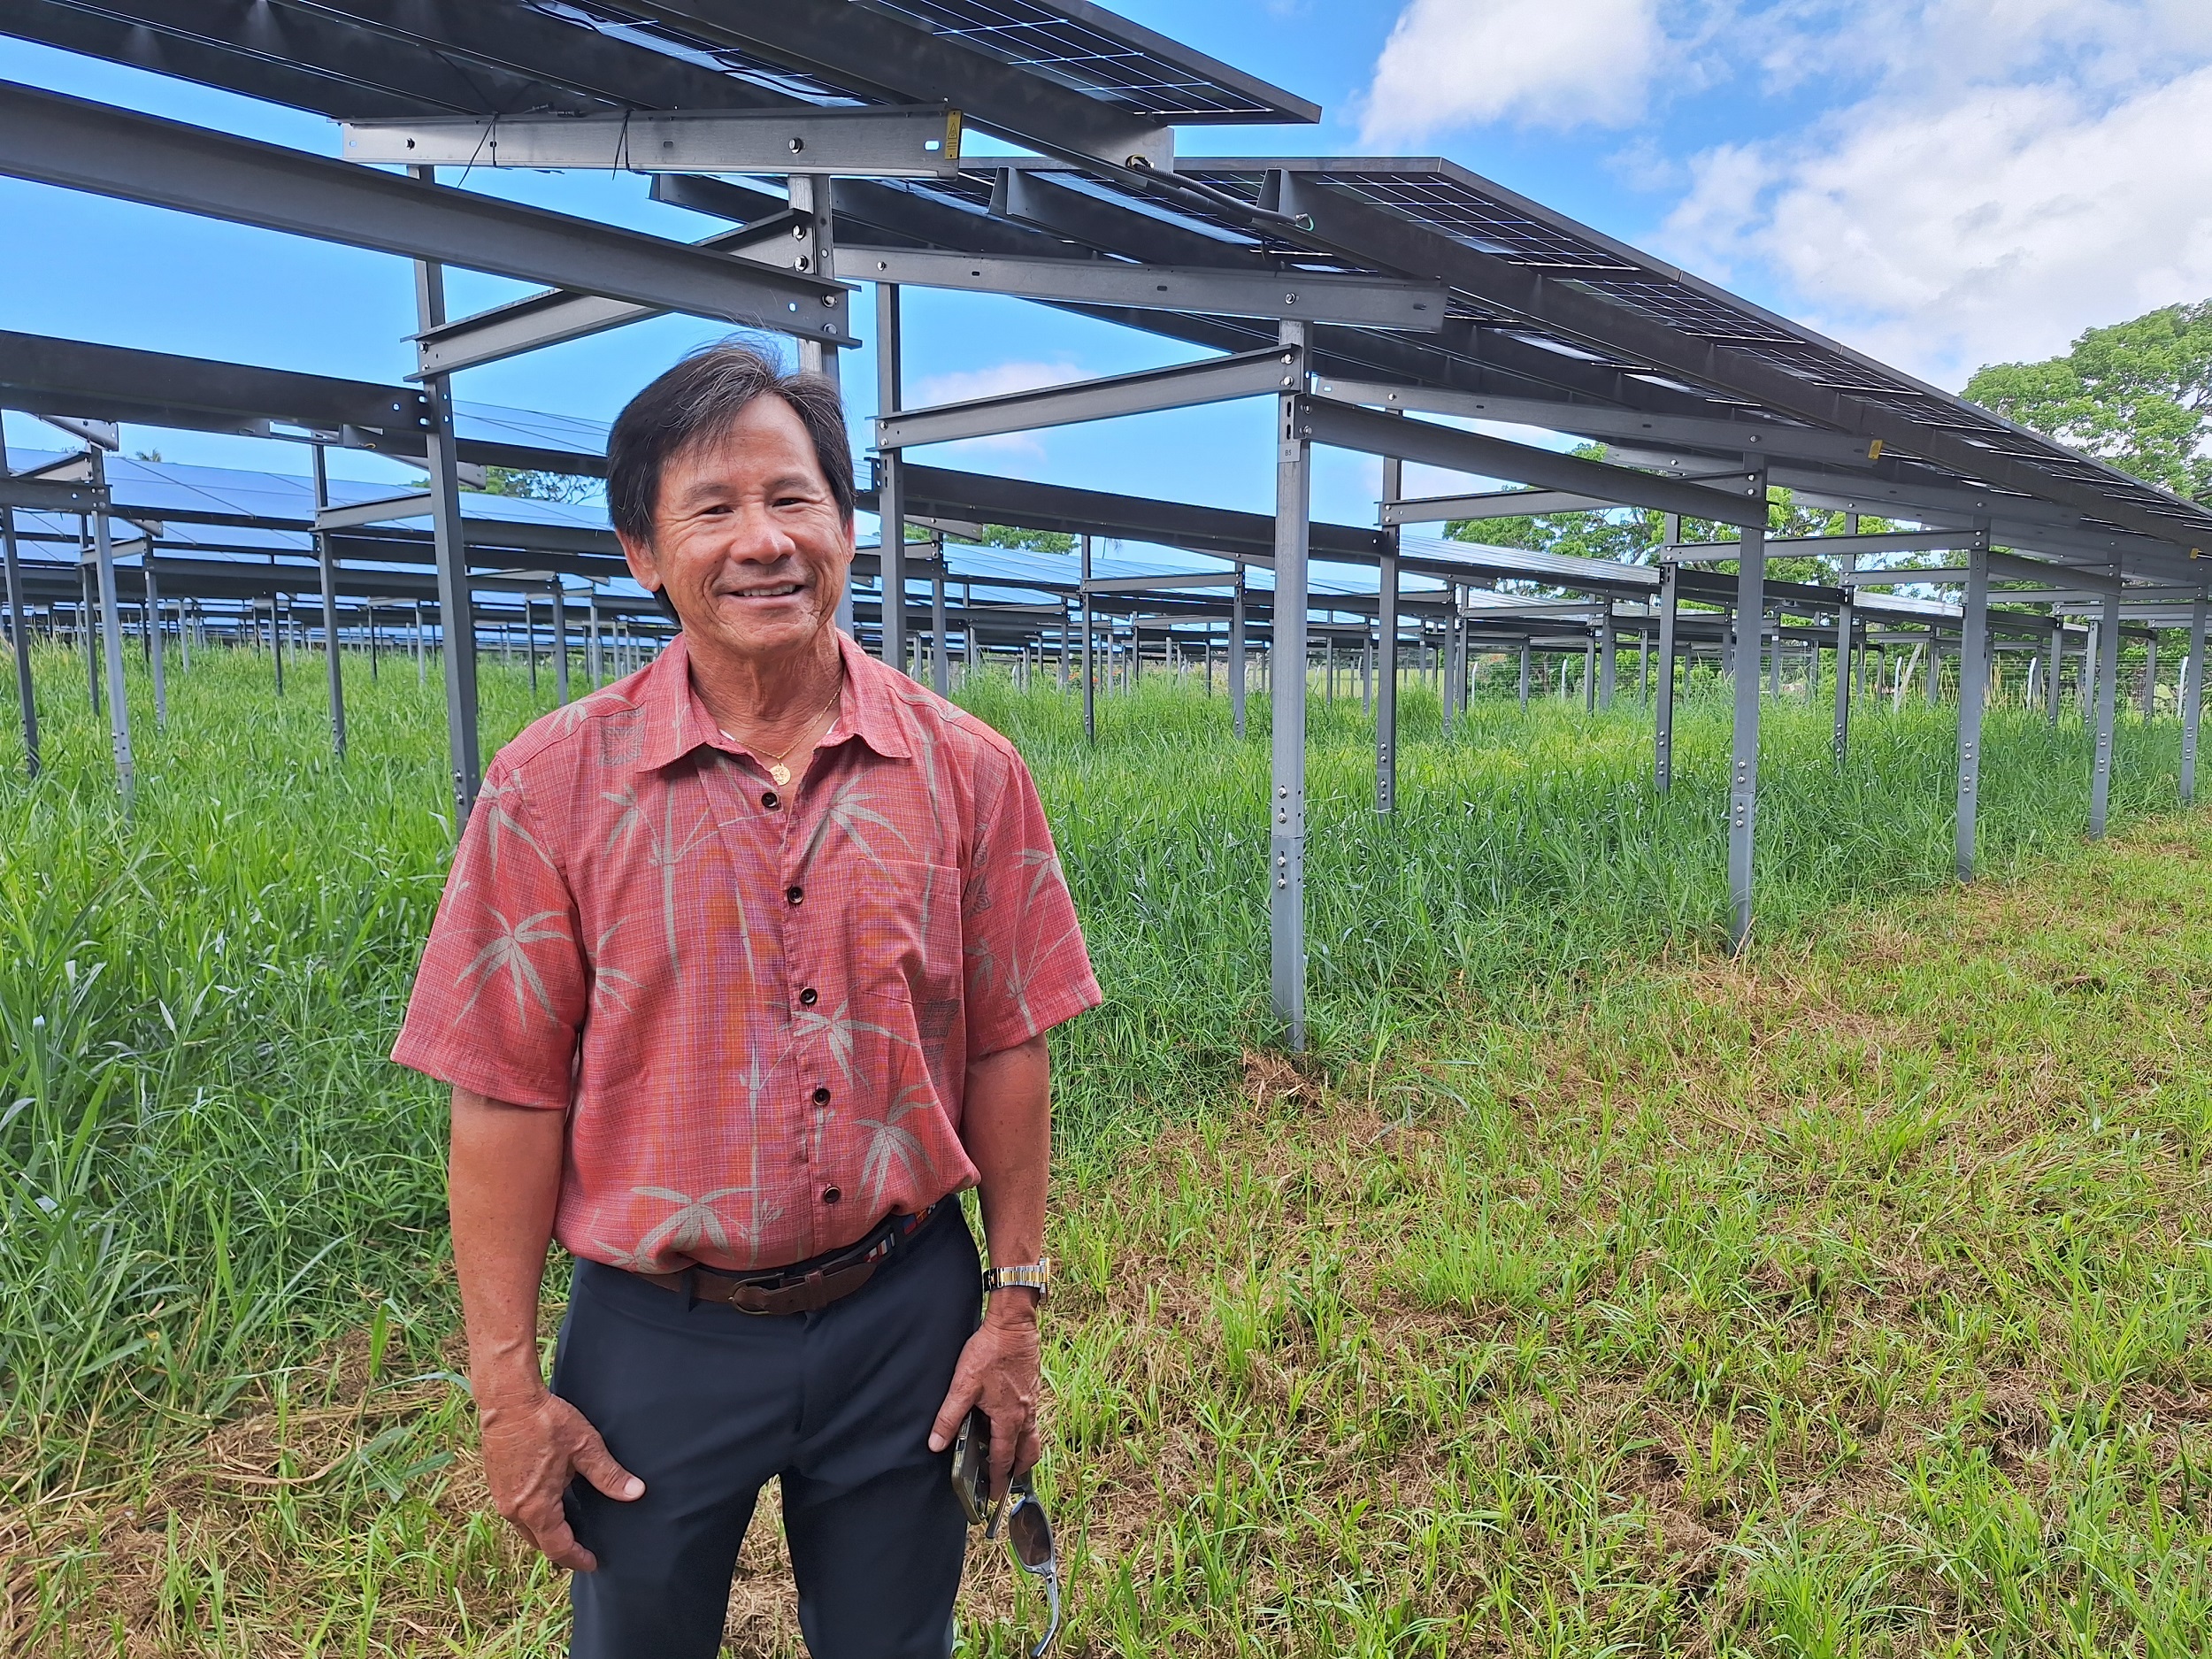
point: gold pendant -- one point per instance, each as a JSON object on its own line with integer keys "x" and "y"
{"x": 780, "y": 772}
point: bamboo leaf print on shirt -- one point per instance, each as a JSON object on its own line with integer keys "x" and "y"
{"x": 847, "y": 811}
{"x": 694, "y": 1225}
{"x": 665, "y": 852}
{"x": 888, "y": 1144}
{"x": 839, "y": 1029}
{"x": 499, "y": 822}
{"x": 509, "y": 953}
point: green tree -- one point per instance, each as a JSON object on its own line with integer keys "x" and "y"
{"x": 534, "y": 486}
{"x": 2136, "y": 394}
{"x": 1030, "y": 541}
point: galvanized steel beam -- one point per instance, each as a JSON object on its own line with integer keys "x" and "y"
{"x": 889, "y": 142}
{"x": 86, "y": 146}
{"x": 1363, "y": 302}
{"x": 1181, "y": 387}
{"x": 1349, "y": 427}
{"x": 1732, "y": 437}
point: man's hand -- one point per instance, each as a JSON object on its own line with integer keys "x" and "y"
{"x": 501, "y": 1184}
{"x": 998, "y": 1371}
{"x": 531, "y": 1453}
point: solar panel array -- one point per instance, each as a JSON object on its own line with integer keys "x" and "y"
{"x": 1077, "y": 46}
{"x": 1485, "y": 216}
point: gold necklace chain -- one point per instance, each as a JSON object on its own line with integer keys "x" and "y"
{"x": 777, "y": 770}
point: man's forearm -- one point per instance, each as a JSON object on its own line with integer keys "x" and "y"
{"x": 502, "y": 1183}
{"x": 1006, "y": 1125}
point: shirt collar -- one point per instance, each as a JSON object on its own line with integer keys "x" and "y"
{"x": 676, "y": 722}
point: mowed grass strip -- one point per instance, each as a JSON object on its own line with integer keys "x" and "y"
{"x": 1851, "y": 1300}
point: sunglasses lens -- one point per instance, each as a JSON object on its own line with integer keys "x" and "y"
{"x": 1030, "y": 1534}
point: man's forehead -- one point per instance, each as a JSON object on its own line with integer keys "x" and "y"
{"x": 753, "y": 447}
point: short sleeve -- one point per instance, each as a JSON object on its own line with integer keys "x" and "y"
{"x": 502, "y": 990}
{"x": 1027, "y": 970}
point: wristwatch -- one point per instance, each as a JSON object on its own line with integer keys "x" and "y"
{"x": 1035, "y": 1276}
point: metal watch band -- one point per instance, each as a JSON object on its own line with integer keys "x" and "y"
{"x": 1035, "y": 1276}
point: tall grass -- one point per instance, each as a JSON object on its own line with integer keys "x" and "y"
{"x": 207, "y": 1168}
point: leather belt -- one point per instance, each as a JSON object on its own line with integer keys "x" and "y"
{"x": 804, "y": 1286}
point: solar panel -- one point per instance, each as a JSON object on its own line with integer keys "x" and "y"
{"x": 1092, "y": 50}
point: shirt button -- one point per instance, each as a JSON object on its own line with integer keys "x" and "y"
{"x": 809, "y": 997}
{"x": 770, "y": 800}
{"x": 794, "y": 895}
{"x": 830, "y": 1195}
{"x": 821, "y": 1097}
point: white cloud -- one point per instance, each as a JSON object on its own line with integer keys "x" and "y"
{"x": 2006, "y": 174}
{"x": 993, "y": 380}
{"x": 1538, "y": 63}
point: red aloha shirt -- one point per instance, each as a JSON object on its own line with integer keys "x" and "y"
{"x": 757, "y": 1006}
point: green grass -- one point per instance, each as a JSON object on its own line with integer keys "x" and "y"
{"x": 1583, "y": 1296}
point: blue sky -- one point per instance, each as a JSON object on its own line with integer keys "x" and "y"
{"x": 1942, "y": 182}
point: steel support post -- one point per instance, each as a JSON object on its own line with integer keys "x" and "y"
{"x": 814, "y": 252}
{"x": 1387, "y": 667}
{"x": 1444, "y": 703}
{"x": 1527, "y": 665}
{"x": 2192, "y": 699}
{"x": 891, "y": 482}
{"x": 457, "y": 619}
{"x": 939, "y": 646}
{"x": 1846, "y": 628}
{"x": 1772, "y": 619}
{"x": 1743, "y": 770}
{"x": 420, "y": 673}
{"x": 591, "y": 640}
{"x": 1935, "y": 666}
{"x": 1973, "y": 692}
{"x": 2108, "y": 651}
{"x": 1238, "y": 672}
{"x": 111, "y": 636}
{"x": 1589, "y": 673}
{"x": 1090, "y": 669}
{"x": 1663, "y": 687}
{"x": 1607, "y": 668}
{"x": 327, "y": 568}
{"x": 1286, "y": 644}
{"x": 558, "y": 602}
{"x": 88, "y": 608}
{"x": 2150, "y": 677}
{"x": 2057, "y": 658}
{"x": 156, "y": 647}
{"x": 19, "y": 629}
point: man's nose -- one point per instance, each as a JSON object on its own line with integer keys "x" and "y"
{"x": 753, "y": 534}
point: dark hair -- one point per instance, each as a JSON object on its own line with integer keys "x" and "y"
{"x": 699, "y": 398}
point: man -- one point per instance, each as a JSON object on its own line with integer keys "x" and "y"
{"x": 742, "y": 972}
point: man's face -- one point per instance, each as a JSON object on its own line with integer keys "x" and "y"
{"x": 747, "y": 542}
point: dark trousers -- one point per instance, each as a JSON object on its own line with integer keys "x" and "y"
{"x": 705, "y": 1404}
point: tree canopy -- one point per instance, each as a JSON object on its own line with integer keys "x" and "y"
{"x": 2137, "y": 395}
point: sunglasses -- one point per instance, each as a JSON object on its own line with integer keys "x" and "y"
{"x": 1029, "y": 1535}
{"x": 1028, "y": 1529}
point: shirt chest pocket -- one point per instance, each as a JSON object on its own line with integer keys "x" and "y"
{"x": 903, "y": 932}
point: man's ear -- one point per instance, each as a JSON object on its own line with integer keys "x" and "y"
{"x": 643, "y": 567}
